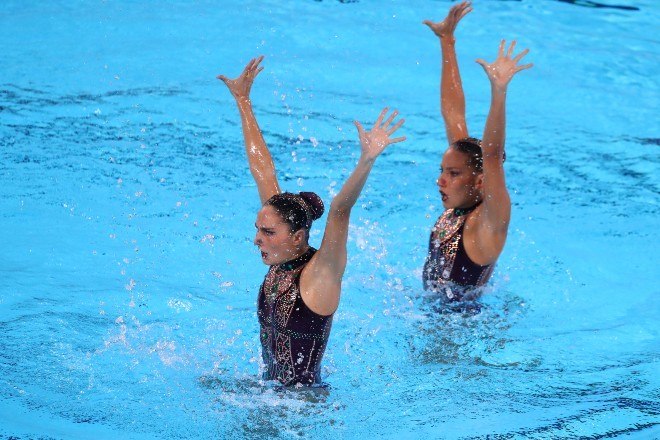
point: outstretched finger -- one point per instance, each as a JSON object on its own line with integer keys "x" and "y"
{"x": 222, "y": 78}
{"x": 258, "y": 60}
{"x": 520, "y": 55}
{"x": 465, "y": 12}
{"x": 254, "y": 62}
{"x": 397, "y": 140}
{"x": 359, "y": 128}
{"x": 395, "y": 127}
{"x": 454, "y": 11}
{"x": 381, "y": 116}
{"x": 525, "y": 66}
{"x": 500, "y": 53}
{"x": 482, "y": 62}
{"x": 463, "y": 9}
{"x": 390, "y": 119}
{"x": 510, "y": 52}
{"x": 459, "y": 7}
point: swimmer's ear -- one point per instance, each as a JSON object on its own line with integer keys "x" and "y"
{"x": 299, "y": 237}
{"x": 479, "y": 182}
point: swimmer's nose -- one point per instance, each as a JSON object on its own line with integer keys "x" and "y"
{"x": 257, "y": 240}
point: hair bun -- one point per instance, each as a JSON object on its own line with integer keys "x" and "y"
{"x": 315, "y": 203}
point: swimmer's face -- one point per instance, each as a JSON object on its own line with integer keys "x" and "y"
{"x": 274, "y": 238}
{"x": 459, "y": 183}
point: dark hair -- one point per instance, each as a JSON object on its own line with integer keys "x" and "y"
{"x": 472, "y": 148}
{"x": 297, "y": 210}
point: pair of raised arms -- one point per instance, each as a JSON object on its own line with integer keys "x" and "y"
{"x": 320, "y": 282}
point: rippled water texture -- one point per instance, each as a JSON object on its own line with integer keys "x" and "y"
{"x": 129, "y": 278}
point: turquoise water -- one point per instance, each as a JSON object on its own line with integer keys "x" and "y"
{"x": 129, "y": 278}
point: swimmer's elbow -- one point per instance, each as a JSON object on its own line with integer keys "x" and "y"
{"x": 339, "y": 209}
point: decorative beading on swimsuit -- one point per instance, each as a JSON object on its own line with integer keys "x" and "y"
{"x": 447, "y": 262}
{"x": 444, "y": 239}
{"x": 293, "y": 337}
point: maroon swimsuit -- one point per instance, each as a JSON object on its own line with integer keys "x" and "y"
{"x": 293, "y": 337}
{"x": 447, "y": 262}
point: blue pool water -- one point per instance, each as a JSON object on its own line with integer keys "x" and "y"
{"x": 129, "y": 278}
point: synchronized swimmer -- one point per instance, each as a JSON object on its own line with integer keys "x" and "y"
{"x": 469, "y": 236}
{"x": 300, "y": 293}
{"x": 301, "y": 290}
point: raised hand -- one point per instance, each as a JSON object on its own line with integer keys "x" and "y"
{"x": 241, "y": 86}
{"x": 446, "y": 27}
{"x": 504, "y": 67}
{"x": 373, "y": 142}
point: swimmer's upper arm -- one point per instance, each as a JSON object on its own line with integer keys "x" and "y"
{"x": 496, "y": 199}
{"x": 268, "y": 186}
{"x": 320, "y": 282}
{"x": 456, "y": 129}
{"x": 452, "y": 97}
{"x": 495, "y": 215}
{"x": 259, "y": 158}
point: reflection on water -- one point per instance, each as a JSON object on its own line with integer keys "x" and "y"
{"x": 463, "y": 332}
{"x": 593, "y": 4}
{"x": 264, "y": 409}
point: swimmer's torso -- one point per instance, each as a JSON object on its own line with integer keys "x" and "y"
{"x": 447, "y": 261}
{"x": 293, "y": 338}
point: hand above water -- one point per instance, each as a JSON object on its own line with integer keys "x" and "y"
{"x": 445, "y": 29}
{"x": 504, "y": 67}
{"x": 373, "y": 142}
{"x": 241, "y": 86}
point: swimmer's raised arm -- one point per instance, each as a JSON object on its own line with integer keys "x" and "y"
{"x": 320, "y": 283}
{"x": 497, "y": 205}
{"x": 259, "y": 158}
{"x": 452, "y": 98}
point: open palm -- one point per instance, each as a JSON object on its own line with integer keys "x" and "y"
{"x": 373, "y": 142}
{"x": 241, "y": 86}
{"x": 446, "y": 27}
{"x": 504, "y": 67}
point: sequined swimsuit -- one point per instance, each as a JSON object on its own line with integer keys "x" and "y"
{"x": 293, "y": 337}
{"x": 447, "y": 261}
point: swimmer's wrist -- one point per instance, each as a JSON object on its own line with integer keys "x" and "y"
{"x": 243, "y": 100}
{"x": 367, "y": 160}
{"x": 498, "y": 89}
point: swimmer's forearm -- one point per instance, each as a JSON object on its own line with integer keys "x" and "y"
{"x": 452, "y": 98}
{"x": 349, "y": 193}
{"x": 496, "y": 200}
{"x": 260, "y": 160}
{"x": 495, "y": 130}
{"x": 499, "y": 72}
{"x": 372, "y": 144}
